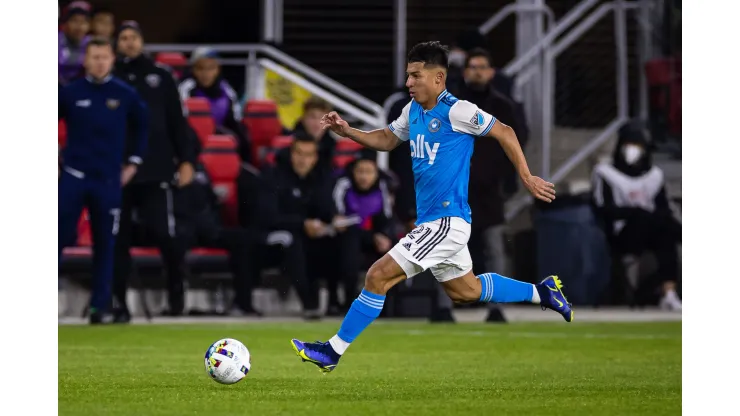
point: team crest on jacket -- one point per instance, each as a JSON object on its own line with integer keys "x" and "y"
{"x": 153, "y": 80}
{"x": 112, "y": 104}
{"x": 434, "y": 125}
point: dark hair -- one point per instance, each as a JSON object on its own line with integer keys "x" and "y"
{"x": 478, "y": 53}
{"x": 301, "y": 137}
{"x": 431, "y": 53}
{"x": 98, "y": 41}
{"x": 101, "y": 10}
{"x": 316, "y": 103}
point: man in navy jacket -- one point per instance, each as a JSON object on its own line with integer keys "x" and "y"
{"x": 97, "y": 161}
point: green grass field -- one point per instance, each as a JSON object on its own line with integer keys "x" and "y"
{"x": 392, "y": 369}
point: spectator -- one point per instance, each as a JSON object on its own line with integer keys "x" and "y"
{"x": 301, "y": 203}
{"x": 310, "y": 125}
{"x": 97, "y": 109}
{"x": 103, "y": 24}
{"x": 167, "y": 167}
{"x": 489, "y": 170}
{"x": 202, "y": 227}
{"x": 73, "y": 41}
{"x": 207, "y": 82}
{"x": 362, "y": 197}
{"x": 630, "y": 198}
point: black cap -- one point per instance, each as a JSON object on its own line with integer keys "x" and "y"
{"x": 76, "y": 7}
{"x": 129, "y": 24}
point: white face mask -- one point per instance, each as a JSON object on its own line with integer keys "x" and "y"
{"x": 632, "y": 153}
{"x": 457, "y": 58}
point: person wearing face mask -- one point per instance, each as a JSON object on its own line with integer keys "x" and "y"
{"x": 630, "y": 198}
{"x": 489, "y": 170}
{"x": 363, "y": 197}
{"x": 208, "y": 83}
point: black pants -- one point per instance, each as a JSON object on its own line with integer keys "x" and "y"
{"x": 658, "y": 234}
{"x": 350, "y": 250}
{"x": 153, "y": 204}
{"x": 291, "y": 258}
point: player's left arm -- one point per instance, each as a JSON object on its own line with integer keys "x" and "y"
{"x": 466, "y": 117}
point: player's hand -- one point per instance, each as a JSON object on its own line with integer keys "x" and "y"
{"x": 185, "y": 174}
{"x": 540, "y": 188}
{"x": 382, "y": 243}
{"x": 335, "y": 123}
{"x": 127, "y": 173}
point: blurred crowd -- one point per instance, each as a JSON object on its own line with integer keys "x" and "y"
{"x": 310, "y": 203}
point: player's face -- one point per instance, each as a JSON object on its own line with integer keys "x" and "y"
{"x": 423, "y": 83}
{"x": 130, "y": 43}
{"x": 303, "y": 156}
{"x": 478, "y": 72}
{"x": 312, "y": 122}
{"x": 77, "y": 26}
{"x": 365, "y": 174}
{"x": 206, "y": 71}
{"x": 99, "y": 61}
{"x": 102, "y": 25}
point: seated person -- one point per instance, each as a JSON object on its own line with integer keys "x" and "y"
{"x": 297, "y": 195}
{"x": 200, "y": 225}
{"x": 310, "y": 125}
{"x": 630, "y": 198}
{"x": 362, "y": 199}
{"x": 207, "y": 82}
{"x": 73, "y": 40}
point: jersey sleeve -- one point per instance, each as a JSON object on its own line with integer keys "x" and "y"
{"x": 466, "y": 117}
{"x": 400, "y": 127}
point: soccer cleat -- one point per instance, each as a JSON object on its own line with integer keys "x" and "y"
{"x": 319, "y": 353}
{"x": 552, "y": 297}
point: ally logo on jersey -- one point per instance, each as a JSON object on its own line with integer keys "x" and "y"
{"x": 422, "y": 149}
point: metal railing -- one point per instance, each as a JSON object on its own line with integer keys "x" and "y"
{"x": 509, "y": 9}
{"x": 260, "y": 57}
{"x": 568, "y": 33}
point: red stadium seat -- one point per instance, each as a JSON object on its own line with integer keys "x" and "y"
{"x": 346, "y": 151}
{"x": 262, "y": 123}
{"x": 176, "y": 60}
{"x": 664, "y": 82}
{"x": 199, "y": 117}
{"x": 62, "y": 133}
{"x": 222, "y": 163}
{"x": 277, "y": 143}
{"x": 84, "y": 233}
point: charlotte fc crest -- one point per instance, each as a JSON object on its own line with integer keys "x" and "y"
{"x": 112, "y": 104}
{"x": 434, "y": 125}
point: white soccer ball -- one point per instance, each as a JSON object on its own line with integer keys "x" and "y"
{"x": 228, "y": 361}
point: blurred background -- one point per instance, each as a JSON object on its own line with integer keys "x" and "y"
{"x": 592, "y": 88}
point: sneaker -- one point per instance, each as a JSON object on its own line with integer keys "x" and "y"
{"x": 552, "y": 297}
{"x": 319, "y": 353}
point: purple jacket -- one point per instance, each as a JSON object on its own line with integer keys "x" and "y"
{"x": 71, "y": 59}
{"x": 372, "y": 206}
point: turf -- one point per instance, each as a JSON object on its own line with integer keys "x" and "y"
{"x": 392, "y": 369}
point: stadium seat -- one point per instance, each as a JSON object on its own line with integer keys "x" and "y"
{"x": 664, "y": 82}
{"x": 277, "y": 143}
{"x": 262, "y": 123}
{"x": 62, "y": 133}
{"x": 84, "y": 233}
{"x": 199, "y": 117}
{"x": 221, "y": 161}
{"x": 346, "y": 151}
{"x": 176, "y": 60}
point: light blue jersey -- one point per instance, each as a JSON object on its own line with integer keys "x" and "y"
{"x": 441, "y": 148}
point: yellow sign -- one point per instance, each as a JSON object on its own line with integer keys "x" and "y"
{"x": 288, "y": 96}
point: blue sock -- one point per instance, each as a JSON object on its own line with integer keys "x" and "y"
{"x": 499, "y": 289}
{"x": 362, "y": 313}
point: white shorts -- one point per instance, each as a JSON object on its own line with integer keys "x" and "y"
{"x": 440, "y": 245}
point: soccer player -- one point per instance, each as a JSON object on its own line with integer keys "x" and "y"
{"x": 97, "y": 162}
{"x": 441, "y": 130}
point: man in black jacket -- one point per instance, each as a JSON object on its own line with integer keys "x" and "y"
{"x": 301, "y": 203}
{"x": 489, "y": 169}
{"x": 168, "y": 164}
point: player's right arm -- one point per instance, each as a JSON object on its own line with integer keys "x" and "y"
{"x": 385, "y": 139}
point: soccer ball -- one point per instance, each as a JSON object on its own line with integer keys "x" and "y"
{"x": 228, "y": 361}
